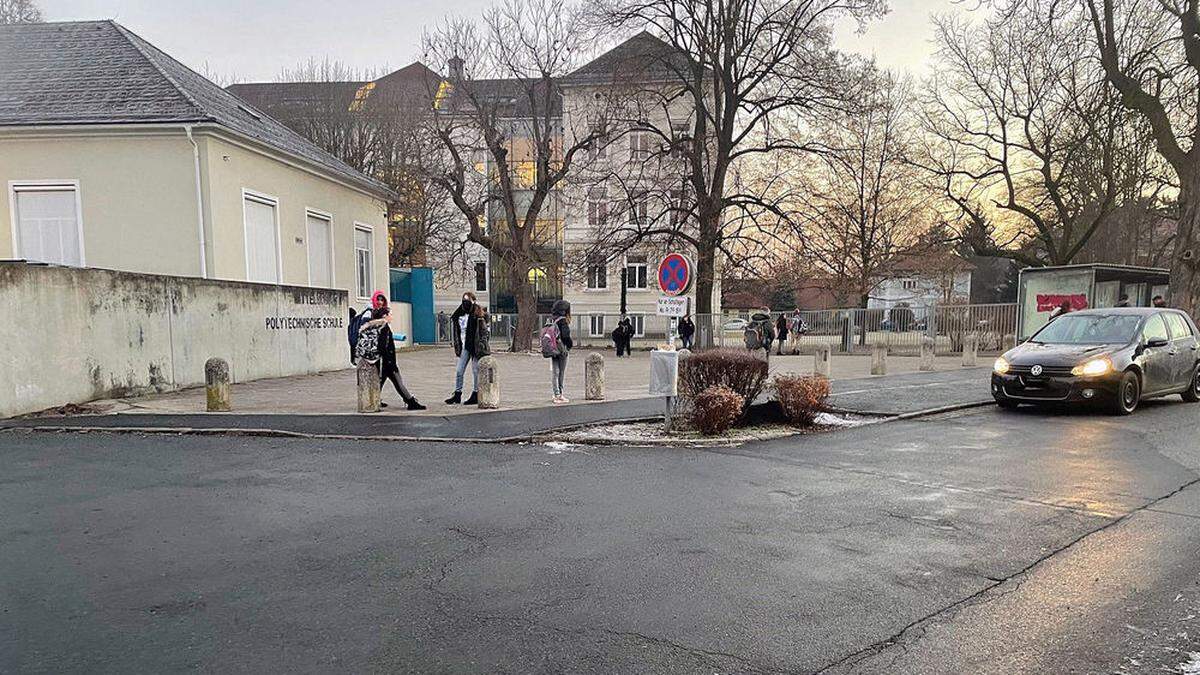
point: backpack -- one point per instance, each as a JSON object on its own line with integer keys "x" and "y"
{"x": 551, "y": 347}
{"x": 368, "y": 344}
{"x": 753, "y": 336}
{"x": 355, "y": 325}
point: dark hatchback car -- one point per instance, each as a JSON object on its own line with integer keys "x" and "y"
{"x": 1113, "y": 357}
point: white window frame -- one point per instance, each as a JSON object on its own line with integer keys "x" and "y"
{"x": 273, "y": 202}
{"x": 328, "y": 218}
{"x": 370, "y": 282}
{"x": 628, "y": 282}
{"x": 43, "y": 185}
{"x": 487, "y": 272}
{"x": 639, "y": 145}
{"x": 592, "y": 332}
{"x": 639, "y": 325}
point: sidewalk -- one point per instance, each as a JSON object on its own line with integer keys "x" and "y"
{"x": 429, "y": 374}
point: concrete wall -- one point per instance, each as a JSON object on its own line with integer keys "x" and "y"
{"x": 73, "y": 335}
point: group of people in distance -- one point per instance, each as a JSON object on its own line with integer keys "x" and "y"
{"x": 371, "y": 339}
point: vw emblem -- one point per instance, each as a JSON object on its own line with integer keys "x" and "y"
{"x": 1035, "y": 371}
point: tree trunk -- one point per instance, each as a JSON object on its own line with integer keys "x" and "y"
{"x": 1185, "y": 261}
{"x": 527, "y": 323}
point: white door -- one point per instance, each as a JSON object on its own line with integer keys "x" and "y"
{"x": 48, "y": 225}
{"x": 262, "y": 248}
{"x": 320, "y": 266}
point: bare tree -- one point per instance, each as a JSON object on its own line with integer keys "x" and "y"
{"x": 498, "y": 119}
{"x": 19, "y": 11}
{"x": 712, "y": 111}
{"x": 860, "y": 205}
{"x": 1024, "y": 138}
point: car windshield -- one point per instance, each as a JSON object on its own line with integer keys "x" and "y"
{"x": 1090, "y": 329}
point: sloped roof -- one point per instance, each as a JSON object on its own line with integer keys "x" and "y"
{"x": 282, "y": 99}
{"x": 98, "y": 72}
{"x": 643, "y": 57}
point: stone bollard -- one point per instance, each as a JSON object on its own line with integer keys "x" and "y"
{"x": 970, "y": 350}
{"x": 823, "y": 360}
{"x": 216, "y": 385}
{"x": 489, "y": 383}
{"x": 879, "y": 359}
{"x": 927, "y": 354}
{"x": 368, "y": 387}
{"x": 593, "y": 377}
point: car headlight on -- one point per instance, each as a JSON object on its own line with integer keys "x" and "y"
{"x": 1000, "y": 367}
{"x": 1092, "y": 368}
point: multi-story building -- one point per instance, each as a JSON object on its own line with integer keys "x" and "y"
{"x": 603, "y": 231}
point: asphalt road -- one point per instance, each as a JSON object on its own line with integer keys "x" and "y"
{"x": 980, "y": 541}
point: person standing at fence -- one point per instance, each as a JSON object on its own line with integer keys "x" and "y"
{"x": 687, "y": 329}
{"x": 781, "y": 333}
{"x": 388, "y": 370}
{"x": 759, "y": 334}
{"x": 623, "y": 336}
{"x": 796, "y": 329}
{"x": 556, "y": 345}
{"x": 464, "y": 325}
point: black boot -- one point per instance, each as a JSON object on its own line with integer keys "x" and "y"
{"x": 414, "y": 404}
{"x": 456, "y": 398}
{"x": 474, "y": 400}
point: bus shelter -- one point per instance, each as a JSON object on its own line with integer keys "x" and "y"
{"x": 1041, "y": 289}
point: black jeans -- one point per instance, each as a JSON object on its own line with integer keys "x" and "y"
{"x": 397, "y": 382}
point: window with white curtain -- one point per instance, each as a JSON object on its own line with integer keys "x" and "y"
{"x": 262, "y": 238}
{"x": 320, "y": 250}
{"x": 48, "y": 223}
{"x": 363, "y": 260}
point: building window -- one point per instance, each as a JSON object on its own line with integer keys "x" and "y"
{"x": 597, "y": 207}
{"x": 909, "y": 284}
{"x": 320, "y": 249}
{"x": 597, "y": 275}
{"x": 598, "y": 149}
{"x": 364, "y": 260}
{"x": 638, "y": 209}
{"x": 481, "y": 277}
{"x": 47, "y": 223}
{"x": 635, "y": 272}
{"x": 596, "y": 327}
{"x": 680, "y": 138}
{"x": 261, "y": 222}
{"x": 677, "y": 207}
{"x": 639, "y": 145}
{"x": 639, "y": 324}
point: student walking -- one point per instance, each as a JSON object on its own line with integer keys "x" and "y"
{"x": 759, "y": 334}
{"x": 623, "y": 336}
{"x": 781, "y": 333}
{"x": 556, "y": 345}
{"x": 388, "y": 370}
{"x": 466, "y": 324}
{"x": 687, "y": 329}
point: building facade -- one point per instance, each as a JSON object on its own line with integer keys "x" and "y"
{"x": 117, "y": 156}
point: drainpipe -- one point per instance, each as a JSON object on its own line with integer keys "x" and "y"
{"x": 199, "y": 203}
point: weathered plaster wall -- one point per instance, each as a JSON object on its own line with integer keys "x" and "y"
{"x": 73, "y": 335}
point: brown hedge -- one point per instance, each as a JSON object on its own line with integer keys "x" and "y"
{"x": 715, "y": 410}
{"x": 801, "y": 396}
{"x": 738, "y": 369}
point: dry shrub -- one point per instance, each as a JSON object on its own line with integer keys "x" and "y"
{"x": 715, "y": 410}
{"x": 738, "y": 369}
{"x": 801, "y": 396}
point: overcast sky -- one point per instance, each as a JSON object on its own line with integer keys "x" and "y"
{"x": 252, "y": 40}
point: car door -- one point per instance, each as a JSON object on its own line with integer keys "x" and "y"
{"x": 1185, "y": 348}
{"x": 1157, "y": 362}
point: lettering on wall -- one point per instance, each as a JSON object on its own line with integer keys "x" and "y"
{"x": 304, "y": 322}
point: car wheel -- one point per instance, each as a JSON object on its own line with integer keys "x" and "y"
{"x": 1128, "y": 395}
{"x": 1192, "y": 395}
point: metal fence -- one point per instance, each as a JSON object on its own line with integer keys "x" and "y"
{"x": 848, "y": 330}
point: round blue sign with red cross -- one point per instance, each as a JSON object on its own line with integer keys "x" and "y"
{"x": 674, "y": 274}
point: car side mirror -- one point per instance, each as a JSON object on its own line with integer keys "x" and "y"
{"x": 1154, "y": 343}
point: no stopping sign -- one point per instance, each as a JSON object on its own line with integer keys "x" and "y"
{"x": 674, "y": 274}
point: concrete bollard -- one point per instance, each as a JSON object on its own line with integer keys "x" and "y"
{"x": 489, "y": 383}
{"x": 879, "y": 359}
{"x": 593, "y": 377}
{"x": 368, "y": 387}
{"x": 823, "y": 360}
{"x": 216, "y": 385}
{"x": 927, "y": 354}
{"x": 970, "y": 355}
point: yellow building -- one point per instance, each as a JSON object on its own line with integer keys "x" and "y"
{"x": 114, "y": 155}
